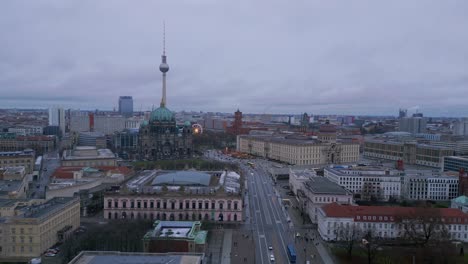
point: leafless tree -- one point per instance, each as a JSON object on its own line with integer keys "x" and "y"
{"x": 423, "y": 226}
{"x": 349, "y": 234}
{"x": 371, "y": 243}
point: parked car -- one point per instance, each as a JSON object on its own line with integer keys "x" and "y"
{"x": 270, "y": 247}
{"x": 49, "y": 254}
{"x": 272, "y": 258}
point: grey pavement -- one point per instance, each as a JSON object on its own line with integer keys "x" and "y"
{"x": 227, "y": 242}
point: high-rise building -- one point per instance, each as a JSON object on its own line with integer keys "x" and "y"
{"x": 126, "y": 106}
{"x": 460, "y": 128}
{"x": 413, "y": 124}
{"x": 57, "y": 118}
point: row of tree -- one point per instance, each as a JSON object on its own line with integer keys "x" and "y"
{"x": 423, "y": 234}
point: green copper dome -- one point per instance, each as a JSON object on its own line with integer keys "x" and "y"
{"x": 162, "y": 114}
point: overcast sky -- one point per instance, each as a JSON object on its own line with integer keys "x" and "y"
{"x": 320, "y": 57}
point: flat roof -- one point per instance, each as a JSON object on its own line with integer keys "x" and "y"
{"x": 36, "y": 211}
{"x": 115, "y": 257}
{"x": 323, "y": 185}
{"x": 193, "y": 178}
{"x": 9, "y": 186}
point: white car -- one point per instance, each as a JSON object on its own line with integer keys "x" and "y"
{"x": 272, "y": 258}
{"x": 270, "y": 247}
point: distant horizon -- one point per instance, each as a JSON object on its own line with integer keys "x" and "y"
{"x": 244, "y": 113}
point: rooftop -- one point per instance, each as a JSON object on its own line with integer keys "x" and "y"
{"x": 36, "y": 211}
{"x": 192, "y": 178}
{"x": 187, "y": 230}
{"x": 461, "y": 200}
{"x": 9, "y": 186}
{"x": 322, "y": 185}
{"x": 86, "y": 152}
{"x": 348, "y": 211}
{"x": 116, "y": 257}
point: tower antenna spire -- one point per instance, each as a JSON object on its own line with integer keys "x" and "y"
{"x": 164, "y": 37}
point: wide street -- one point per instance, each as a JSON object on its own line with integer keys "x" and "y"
{"x": 271, "y": 223}
{"x": 50, "y": 162}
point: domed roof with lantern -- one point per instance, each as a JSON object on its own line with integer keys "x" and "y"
{"x": 162, "y": 114}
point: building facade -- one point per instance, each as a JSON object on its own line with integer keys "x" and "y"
{"x": 409, "y": 152}
{"x": 413, "y": 125}
{"x": 126, "y": 106}
{"x": 389, "y": 222}
{"x": 300, "y": 151}
{"x": 173, "y": 207}
{"x": 87, "y": 156}
{"x": 30, "y": 227}
{"x": 18, "y": 158}
{"x": 57, "y": 118}
{"x": 455, "y": 163}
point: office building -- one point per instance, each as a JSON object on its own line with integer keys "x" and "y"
{"x": 87, "y": 156}
{"x": 30, "y": 227}
{"x": 460, "y": 127}
{"x": 315, "y": 191}
{"x": 94, "y": 139}
{"x": 408, "y": 151}
{"x": 175, "y": 236}
{"x": 126, "y": 106}
{"x": 387, "y": 222}
{"x": 455, "y": 163}
{"x": 25, "y": 130}
{"x": 413, "y": 125}
{"x": 57, "y": 118}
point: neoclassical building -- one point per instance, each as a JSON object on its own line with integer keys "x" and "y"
{"x": 161, "y": 137}
{"x": 301, "y": 150}
{"x": 173, "y": 207}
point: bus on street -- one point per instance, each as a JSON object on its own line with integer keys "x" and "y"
{"x": 291, "y": 253}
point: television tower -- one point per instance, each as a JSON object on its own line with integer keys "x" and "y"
{"x": 164, "y": 67}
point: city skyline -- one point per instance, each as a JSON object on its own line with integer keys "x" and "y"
{"x": 362, "y": 58}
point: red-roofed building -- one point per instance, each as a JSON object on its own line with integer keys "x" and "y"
{"x": 388, "y": 222}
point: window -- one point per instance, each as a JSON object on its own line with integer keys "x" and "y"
{"x": 212, "y": 205}
{"x": 116, "y": 204}
{"x": 13, "y": 230}
{"x": 164, "y": 205}
{"x": 132, "y": 204}
{"x": 151, "y": 204}
{"x": 229, "y": 206}
{"x": 187, "y": 204}
{"x": 200, "y": 205}
{"x": 109, "y": 204}
{"x": 221, "y": 206}
{"x": 181, "y": 205}
{"x": 194, "y": 205}
{"x": 158, "y": 204}
{"x": 207, "y": 205}
{"x": 22, "y": 231}
{"x": 138, "y": 204}
{"x": 30, "y": 239}
{"x": 172, "y": 205}
{"x": 235, "y": 207}
{"x": 145, "y": 204}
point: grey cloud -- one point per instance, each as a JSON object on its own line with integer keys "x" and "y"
{"x": 360, "y": 57}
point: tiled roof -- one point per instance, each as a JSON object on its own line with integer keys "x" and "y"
{"x": 67, "y": 172}
{"x": 348, "y": 211}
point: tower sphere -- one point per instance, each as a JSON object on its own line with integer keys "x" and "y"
{"x": 164, "y": 67}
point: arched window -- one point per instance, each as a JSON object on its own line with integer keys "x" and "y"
{"x": 235, "y": 217}
{"x": 116, "y": 215}
{"x": 109, "y": 215}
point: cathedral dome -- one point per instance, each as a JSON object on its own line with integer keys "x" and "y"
{"x": 162, "y": 114}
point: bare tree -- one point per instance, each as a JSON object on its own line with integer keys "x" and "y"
{"x": 349, "y": 234}
{"x": 423, "y": 226}
{"x": 371, "y": 242}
